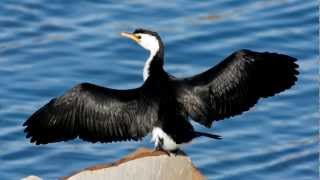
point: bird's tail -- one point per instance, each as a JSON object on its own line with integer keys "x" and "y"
{"x": 213, "y": 136}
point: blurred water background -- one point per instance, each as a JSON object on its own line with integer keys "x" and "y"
{"x": 46, "y": 47}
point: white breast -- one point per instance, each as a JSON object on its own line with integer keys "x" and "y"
{"x": 168, "y": 143}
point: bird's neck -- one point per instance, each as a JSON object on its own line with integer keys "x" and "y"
{"x": 154, "y": 64}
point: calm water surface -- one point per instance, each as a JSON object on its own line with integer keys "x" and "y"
{"x": 46, "y": 47}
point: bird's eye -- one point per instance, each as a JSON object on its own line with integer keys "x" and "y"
{"x": 138, "y": 36}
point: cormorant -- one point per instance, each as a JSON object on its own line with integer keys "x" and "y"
{"x": 163, "y": 103}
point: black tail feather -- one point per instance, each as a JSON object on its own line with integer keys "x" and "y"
{"x": 213, "y": 136}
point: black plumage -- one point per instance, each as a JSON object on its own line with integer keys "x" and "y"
{"x": 235, "y": 85}
{"x": 95, "y": 113}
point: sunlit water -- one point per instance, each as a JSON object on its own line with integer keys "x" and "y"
{"x": 46, "y": 47}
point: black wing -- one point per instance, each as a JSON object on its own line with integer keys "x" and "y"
{"x": 94, "y": 114}
{"x": 235, "y": 85}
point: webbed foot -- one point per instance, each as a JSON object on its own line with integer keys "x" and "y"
{"x": 177, "y": 152}
{"x": 159, "y": 148}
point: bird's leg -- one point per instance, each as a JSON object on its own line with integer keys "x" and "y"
{"x": 159, "y": 147}
{"x": 177, "y": 152}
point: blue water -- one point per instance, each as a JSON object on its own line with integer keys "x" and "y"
{"x": 46, "y": 47}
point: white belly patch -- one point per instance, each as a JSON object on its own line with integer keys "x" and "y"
{"x": 168, "y": 143}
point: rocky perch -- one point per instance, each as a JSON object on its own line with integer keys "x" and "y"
{"x": 143, "y": 164}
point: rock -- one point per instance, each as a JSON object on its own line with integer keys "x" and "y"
{"x": 143, "y": 164}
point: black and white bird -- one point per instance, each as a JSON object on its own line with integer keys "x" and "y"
{"x": 163, "y": 103}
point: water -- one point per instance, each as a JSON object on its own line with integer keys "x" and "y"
{"x": 46, "y": 47}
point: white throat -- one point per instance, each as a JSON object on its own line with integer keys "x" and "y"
{"x": 146, "y": 68}
{"x": 151, "y": 44}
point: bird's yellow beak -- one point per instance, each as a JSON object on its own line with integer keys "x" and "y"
{"x": 131, "y": 36}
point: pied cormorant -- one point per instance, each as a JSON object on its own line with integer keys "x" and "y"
{"x": 163, "y": 103}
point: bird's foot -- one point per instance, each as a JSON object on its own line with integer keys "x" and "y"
{"x": 178, "y": 152}
{"x": 158, "y": 148}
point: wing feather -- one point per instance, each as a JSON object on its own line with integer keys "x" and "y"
{"x": 93, "y": 113}
{"x": 235, "y": 85}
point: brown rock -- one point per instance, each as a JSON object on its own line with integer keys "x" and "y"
{"x": 143, "y": 164}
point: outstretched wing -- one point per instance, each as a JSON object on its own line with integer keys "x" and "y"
{"x": 235, "y": 85}
{"x": 93, "y": 113}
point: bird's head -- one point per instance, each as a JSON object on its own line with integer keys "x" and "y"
{"x": 147, "y": 39}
